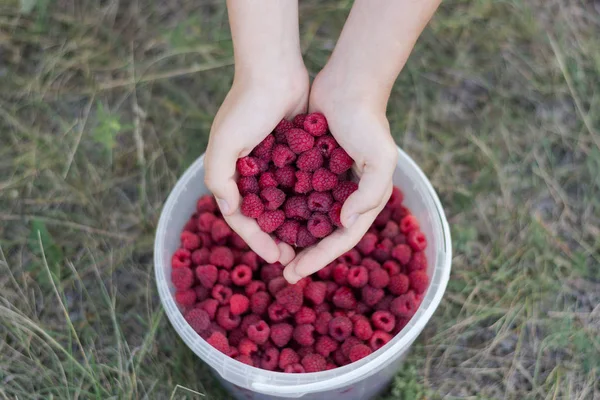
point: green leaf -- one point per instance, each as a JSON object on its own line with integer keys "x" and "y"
{"x": 107, "y": 129}
{"x": 27, "y": 6}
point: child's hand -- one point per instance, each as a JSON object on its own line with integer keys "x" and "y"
{"x": 251, "y": 110}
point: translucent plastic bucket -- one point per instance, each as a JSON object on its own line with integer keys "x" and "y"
{"x": 360, "y": 380}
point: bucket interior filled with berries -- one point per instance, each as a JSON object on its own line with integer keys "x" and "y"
{"x": 343, "y": 330}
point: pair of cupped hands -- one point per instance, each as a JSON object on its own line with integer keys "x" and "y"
{"x": 255, "y": 104}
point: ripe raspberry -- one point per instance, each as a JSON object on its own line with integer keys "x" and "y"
{"x": 305, "y": 238}
{"x": 181, "y": 259}
{"x": 324, "y": 180}
{"x": 379, "y": 278}
{"x": 340, "y": 161}
{"x": 222, "y": 257}
{"x": 277, "y": 312}
{"x": 226, "y": 319}
{"x": 314, "y": 363}
{"x": 264, "y": 148}
{"x": 351, "y": 257}
{"x": 409, "y": 223}
{"x": 271, "y": 271}
{"x": 200, "y": 256}
{"x": 399, "y": 213}
{"x": 252, "y": 206}
{"x": 310, "y": 160}
{"x": 283, "y": 155}
{"x": 319, "y": 225}
{"x": 322, "y": 322}
{"x": 362, "y": 327}
{"x": 303, "y": 283}
{"x": 343, "y": 190}
{"x": 224, "y": 278}
{"x": 379, "y": 339}
{"x": 315, "y": 124}
{"x": 320, "y": 201}
{"x": 383, "y": 320}
{"x": 266, "y": 180}
{"x": 237, "y": 242}
{"x": 245, "y": 360}
{"x": 340, "y": 328}
{"x": 198, "y": 319}
{"x": 247, "y": 166}
{"x": 276, "y": 284}
{"x": 220, "y": 231}
{"x": 205, "y": 222}
{"x": 391, "y": 230}
{"x": 305, "y": 316}
{"x": 384, "y": 303}
{"x": 418, "y": 262}
{"x": 358, "y": 277}
{"x": 382, "y": 218}
{"x": 283, "y": 126}
{"x": 392, "y": 267}
{"x": 259, "y": 302}
{"x": 185, "y": 298}
{"x": 326, "y": 144}
{"x": 418, "y": 281}
{"x": 299, "y": 141}
{"x": 241, "y": 275}
{"x": 294, "y": 369}
{"x": 290, "y": 298}
{"x": 182, "y": 278}
{"x": 315, "y": 292}
{"x": 273, "y": 198}
{"x": 255, "y": 287}
{"x": 214, "y": 327}
{"x": 270, "y": 359}
{"x": 325, "y": 272}
{"x": 370, "y": 295}
{"x": 416, "y": 240}
{"x": 348, "y": 345}
{"x": 303, "y": 334}
{"x": 210, "y": 306}
{"x": 303, "y": 182}
{"x": 247, "y": 184}
{"x": 404, "y": 306}
{"x": 296, "y": 207}
{"x": 259, "y": 332}
{"x": 239, "y": 304}
{"x": 288, "y": 357}
{"x": 202, "y": 293}
{"x": 362, "y": 308}
{"x": 325, "y": 345}
{"x": 359, "y": 351}
{"x": 281, "y": 334}
{"x": 340, "y": 274}
{"x": 402, "y": 253}
{"x": 219, "y": 342}
{"x": 299, "y": 120}
{"x": 383, "y": 250}
{"x": 334, "y": 214}
{"x": 207, "y": 275}
{"x": 206, "y": 203}
{"x": 247, "y": 321}
{"x": 189, "y": 240}
{"x": 235, "y": 337}
{"x": 396, "y": 199}
{"x": 270, "y": 220}
{"x": 191, "y": 225}
{"x": 399, "y": 284}
{"x": 286, "y": 176}
{"x": 221, "y": 293}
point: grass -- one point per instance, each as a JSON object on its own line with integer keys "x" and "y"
{"x": 103, "y": 104}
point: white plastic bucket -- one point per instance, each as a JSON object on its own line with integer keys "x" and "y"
{"x": 360, "y": 380}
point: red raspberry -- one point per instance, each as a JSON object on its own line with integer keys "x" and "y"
{"x": 191, "y": 225}
{"x": 299, "y": 120}
{"x": 247, "y": 184}
{"x": 214, "y": 327}
{"x": 315, "y": 292}
{"x": 250, "y": 259}
{"x": 259, "y": 302}
{"x": 325, "y": 345}
{"x": 266, "y": 180}
{"x": 306, "y": 350}
{"x": 303, "y": 182}
{"x": 396, "y": 198}
{"x": 379, "y": 339}
{"x": 303, "y": 334}
{"x": 291, "y": 298}
{"x": 340, "y": 274}
{"x": 305, "y": 316}
{"x": 324, "y": 307}
{"x": 189, "y": 240}
{"x": 221, "y": 293}
{"x": 370, "y": 295}
{"x": 402, "y": 253}
{"x": 340, "y": 328}
{"x": 348, "y": 345}
{"x": 418, "y": 262}
{"x": 322, "y": 322}
{"x": 252, "y": 206}
{"x": 207, "y": 275}
{"x": 379, "y": 278}
{"x": 241, "y": 275}
{"x": 288, "y": 357}
{"x": 269, "y": 359}
{"x": 382, "y": 218}
{"x": 294, "y": 369}
{"x": 226, "y": 319}
{"x": 399, "y": 284}
{"x": 383, "y": 320}
{"x": 248, "y": 166}
{"x": 219, "y": 342}
{"x": 319, "y": 225}
{"x": 314, "y": 363}
{"x": 245, "y": 360}
{"x": 259, "y": 332}
{"x": 222, "y": 257}
{"x": 281, "y": 334}
{"x": 343, "y": 190}
{"x": 334, "y": 214}
{"x": 419, "y": 281}
{"x": 362, "y": 308}
{"x": 220, "y": 231}
{"x": 325, "y": 272}
{"x": 416, "y": 240}
{"x": 359, "y": 351}
{"x": 286, "y": 176}
{"x": 210, "y": 306}
{"x": 384, "y": 303}
{"x": 235, "y": 337}
{"x": 185, "y": 298}
{"x": 404, "y": 306}
{"x": 296, "y": 208}
{"x": 392, "y": 267}
{"x": 283, "y": 155}
{"x": 305, "y": 238}
{"x": 264, "y": 148}
{"x": 283, "y": 126}
{"x": 182, "y": 278}
{"x": 409, "y": 223}
{"x": 362, "y": 327}
{"x": 273, "y": 198}
{"x": 181, "y": 259}
{"x": 400, "y": 239}
{"x": 399, "y": 213}
{"x": 330, "y": 365}
{"x": 239, "y": 304}
{"x": 390, "y": 231}
{"x": 270, "y": 220}
{"x": 383, "y": 250}
{"x": 288, "y": 232}
{"x": 351, "y": 257}
{"x": 237, "y": 242}
{"x": 198, "y": 319}
{"x": 224, "y": 278}
{"x": 206, "y": 203}
{"x": 326, "y": 144}
{"x": 276, "y": 284}
{"x": 324, "y": 180}
{"x": 200, "y": 256}
{"x": 340, "y": 161}
{"x": 339, "y": 358}
{"x": 271, "y": 271}
{"x": 315, "y": 124}
{"x": 310, "y": 160}
{"x": 202, "y": 293}
{"x": 255, "y": 287}
{"x": 263, "y": 165}
{"x": 277, "y": 312}
{"x": 205, "y": 222}
{"x": 299, "y": 140}
{"x": 249, "y": 320}
{"x": 320, "y": 201}
{"x": 358, "y": 277}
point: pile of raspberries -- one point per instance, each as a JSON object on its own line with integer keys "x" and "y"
{"x": 296, "y": 180}
{"x": 244, "y": 307}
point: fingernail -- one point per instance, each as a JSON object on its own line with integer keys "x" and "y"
{"x": 223, "y": 206}
{"x": 351, "y": 220}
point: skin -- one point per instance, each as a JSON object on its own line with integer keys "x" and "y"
{"x": 352, "y": 91}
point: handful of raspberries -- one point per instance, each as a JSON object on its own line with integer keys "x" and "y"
{"x": 296, "y": 180}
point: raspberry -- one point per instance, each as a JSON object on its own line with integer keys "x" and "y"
{"x": 320, "y": 201}
{"x": 259, "y": 332}
{"x": 276, "y": 284}
{"x": 331, "y": 288}
{"x": 334, "y": 214}
{"x": 325, "y": 345}
{"x": 222, "y": 257}
{"x": 281, "y": 334}
{"x": 283, "y": 155}
{"x": 249, "y": 320}
{"x": 340, "y": 328}
{"x": 395, "y": 199}
{"x": 266, "y": 180}
{"x": 185, "y": 298}
{"x": 404, "y": 306}
{"x": 324, "y": 180}
{"x": 358, "y": 277}
{"x": 402, "y": 253}
{"x": 351, "y": 257}
{"x": 362, "y": 308}
{"x": 235, "y": 337}
{"x": 245, "y": 360}
{"x": 325, "y": 272}
{"x": 252, "y": 206}
{"x": 191, "y": 226}
{"x": 264, "y": 148}
{"x": 219, "y": 342}
{"x": 206, "y": 203}
{"x": 319, "y": 225}
{"x": 340, "y": 274}
{"x": 303, "y": 334}
{"x": 400, "y": 213}
{"x": 224, "y": 278}
{"x": 348, "y": 345}
{"x": 323, "y": 307}
{"x": 294, "y": 369}
{"x": 391, "y": 230}
{"x": 220, "y": 231}
{"x": 181, "y": 259}
{"x": 205, "y": 222}
{"x": 237, "y": 242}
{"x": 303, "y": 182}
{"x": 379, "y": 278}
{"x": 247, "y": 166}
{"x": 286, "y": 176}
{"x": 326, "y": 144}
{"x": 255, "y": 287}
{"x": 340, "y": 161}
{"x": 399, "y": 284}
{"x": 379, "y": 339}
{"x": 202, "y": 293}
{"x": 259, "y": 302}
{"x": 283, "y": 126}
{"x": 198, "y": 319}
{"x": 290, "y": 298}
{"x": 221, "y": 293}
{"x": 189, "y": 240}
{"x": 305, "y": 316}
{"x": 315, "y": 124}
{"x": 339, "y": 358}
{"x": 384, "y": 303}
{"x": 392, "y": 268}
{"x": 400, "y": 239}
{"x": 383, "y": 320}
{"x": 214, "y": 327}
{"x": 299, "y": 120}
{"x": 226, "y": 319}
{"x": 299, "y": 141}
{"x": 359, "y": 351}
{"x": 239, "y": 304}
{"x": 296, "y": 208}
{"x": 263, "y": 165}
{"x": 207, "y": 275}
{"x": 418, "y": 261}
{"x": 383, "y": 250}
{"x": 182, "y": 278}
{"x": 409, "y": 223}
{"x": 277, "y": 312}
{"x": 416, "y": 240}
{"x": 288, "y": 232}
{"x": 315, "y": 292}
{"x": 370, "y": 295}
{"x": 270, "y": 359}
{"x": 247, "y": 184}
{"x": 271, "y": 271}
{"x": 382, "y": 218}
{"x": 322, "y": 322}
{"x": 270, "y": 220}
{"x": 288, "y": 357}
{"x": 210, "y": 306}
{"x": 418, "y": 281}
{"x": 314, "y": 363}
{"x": 362, "y": 327}
{"x": 241, "y": 275}
{"x": 200, "y": 256}
{"x": 305, "y": 238}
{"x": 310, "y": 160}
{"x": 343, "y": 190}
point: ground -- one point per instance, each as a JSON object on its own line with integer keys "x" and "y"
{"x": 103, "y": 104}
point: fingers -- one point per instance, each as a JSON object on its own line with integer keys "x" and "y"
{"x": 220, "y": 177}
{"x": 286, "y": 253}
{"x": 374, "y": 189}
{"x": 260, "y": 242}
